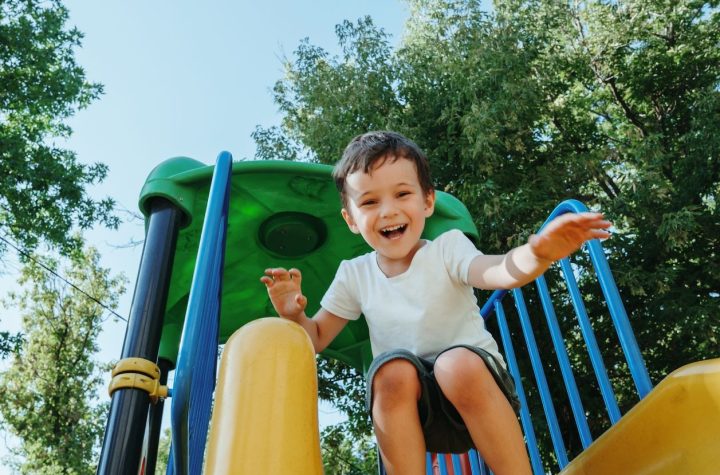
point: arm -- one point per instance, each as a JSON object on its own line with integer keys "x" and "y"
{"x": 285, "y": 293}
{"x": 561, "y": 237}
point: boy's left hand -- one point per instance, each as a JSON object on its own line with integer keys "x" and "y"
{"x": 565, "y": 234}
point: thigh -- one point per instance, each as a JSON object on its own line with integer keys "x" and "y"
{"x": 443, "y": 428}
{"x": 422, "y": 366}
{"x": 502, "y": 378}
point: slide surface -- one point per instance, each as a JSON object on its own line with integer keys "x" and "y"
{"x": 265, "y": 419}
{"x": 674, "y": 430}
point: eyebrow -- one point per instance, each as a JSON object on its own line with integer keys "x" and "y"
{"x": 398, "y": 185}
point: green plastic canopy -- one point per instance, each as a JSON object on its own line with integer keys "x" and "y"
{"x": 282, "y": 214}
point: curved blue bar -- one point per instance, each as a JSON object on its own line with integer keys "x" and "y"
{"x": 565, "y": 368}
{"x": 630, "y": 347}
{"x": 514, "y": 369}
{"x": 195, "y": 372}
{"x": 620, "y": 318}
{"x": 567, "y": 206}
{"x": 586, "y": 329}
{"x": 489, "y": 306}
{"x": 536, "y": 362}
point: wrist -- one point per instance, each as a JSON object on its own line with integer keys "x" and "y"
{"x": 296, "y": 317}
{"x": 534, "y": 252}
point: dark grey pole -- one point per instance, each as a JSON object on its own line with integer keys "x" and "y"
{"x": 125, "y": 430}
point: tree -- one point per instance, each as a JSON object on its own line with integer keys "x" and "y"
{"x": 9, "y": 344}
{"x": 42, "y": 186}
{"x": 613, "y": 103}
{"x": 51, "y": 384}
{"x": 346, "y": 454}
{"x": 163, "y": 454}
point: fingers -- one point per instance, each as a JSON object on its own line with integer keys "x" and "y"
{"x": 279, "y": 274}
{"x": 588, "y": 225}
{"x": 295, "y": 275}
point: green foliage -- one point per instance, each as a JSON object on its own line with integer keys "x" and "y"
{"x": 42, "y": 186}
{"x": 616, "y": 104}
{"x": 344, "y": 453}
{"x": 344, "y": 387}
{"x": 51, "y": 384}
{"x": 10, "y": 344}
{"x": 326, "y": 101}
{"x": 163, "y": 455}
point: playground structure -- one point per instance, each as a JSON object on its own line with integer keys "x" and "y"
{"x": 210, "y": 233}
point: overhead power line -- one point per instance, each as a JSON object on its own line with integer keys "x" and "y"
{"x": 49, "y": 269}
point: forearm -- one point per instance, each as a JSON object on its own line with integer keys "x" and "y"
{"x": 507, "y": 271}
{"x": 311, "y": 328}
{"x": 522, "y": 266}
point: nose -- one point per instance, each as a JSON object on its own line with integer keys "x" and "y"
{"x": 388, "y": 209}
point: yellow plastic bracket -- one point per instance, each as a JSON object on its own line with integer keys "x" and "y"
{"x": 138, "y": 373}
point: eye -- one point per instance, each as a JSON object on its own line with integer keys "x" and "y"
{"x": 367, "y": 203}
{"x": 403, "y": 193}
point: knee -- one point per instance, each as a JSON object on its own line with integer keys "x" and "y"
{"x": 464, "y": 378}
{"x": 396, "y": 382}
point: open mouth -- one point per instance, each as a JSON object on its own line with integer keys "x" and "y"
{"x": 392, "y": 232}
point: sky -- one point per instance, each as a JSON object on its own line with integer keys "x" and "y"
{"x": 182, "y": 78}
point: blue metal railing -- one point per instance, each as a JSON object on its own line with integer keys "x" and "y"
{"x": 194, "y": 381}
{"x": 622, "y": 326}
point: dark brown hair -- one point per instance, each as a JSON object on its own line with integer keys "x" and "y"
{"x": 365, "y": 150}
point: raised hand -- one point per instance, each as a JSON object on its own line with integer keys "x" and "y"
{"x": 565, "y": 234}
{"x": 285, "y": 293}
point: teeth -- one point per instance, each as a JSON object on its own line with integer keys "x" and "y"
{"x": 392, "y": 228}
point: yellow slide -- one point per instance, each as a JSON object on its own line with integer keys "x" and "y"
{"x": 674, "y": 430}
{"x": 265, "y": 417}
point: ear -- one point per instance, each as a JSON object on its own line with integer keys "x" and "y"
{"x": 350, "y": 221}
{"x": 430, "y": 203}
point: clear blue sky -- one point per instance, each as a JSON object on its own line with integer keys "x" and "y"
{"x": 183, "y": 78}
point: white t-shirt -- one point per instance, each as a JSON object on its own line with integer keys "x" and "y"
{"x": 424, "y": 310}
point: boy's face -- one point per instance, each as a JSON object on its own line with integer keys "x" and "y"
{"x": 388, "y": 208}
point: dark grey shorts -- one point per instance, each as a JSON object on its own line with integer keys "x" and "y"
{"x": 444, "y": 429}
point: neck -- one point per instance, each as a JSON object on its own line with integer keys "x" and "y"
{"x": 393, "y": 267}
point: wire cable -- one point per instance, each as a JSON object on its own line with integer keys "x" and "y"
{"x": 47, "y": 268}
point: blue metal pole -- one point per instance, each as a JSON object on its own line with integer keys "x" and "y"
{"x": 620, "y": 318}
{"x": 457, "y": 465}
{"x": 195, "y": 373}
{"x": 563, "y": 360}
{"x": 525, "y": 418}
{"x": 615, "y": 305}
{"x": 474, "y": 462}
{"x": 548, "y": 406}
{"x": 596, "y": 358}
{"x": 442, "y": 464}
{"x": 489, "y": 306}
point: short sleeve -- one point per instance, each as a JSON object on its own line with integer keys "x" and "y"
{"x": 340, "y": 299}
{"x": 458, "y": 252}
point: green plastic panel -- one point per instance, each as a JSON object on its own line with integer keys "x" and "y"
{"x": 282, "y": 214}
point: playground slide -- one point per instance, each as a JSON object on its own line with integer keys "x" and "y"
{"x": 265, "y": 415}
{"x": 674, "y": 430}
{"x": 265, "y": 418}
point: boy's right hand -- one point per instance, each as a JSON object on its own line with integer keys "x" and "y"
{"x": 283, "y": 287}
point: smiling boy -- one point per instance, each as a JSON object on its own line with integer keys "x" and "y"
{"x": 437, "y": 381}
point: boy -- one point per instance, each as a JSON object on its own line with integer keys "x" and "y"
{"x": 437, "y": 381}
